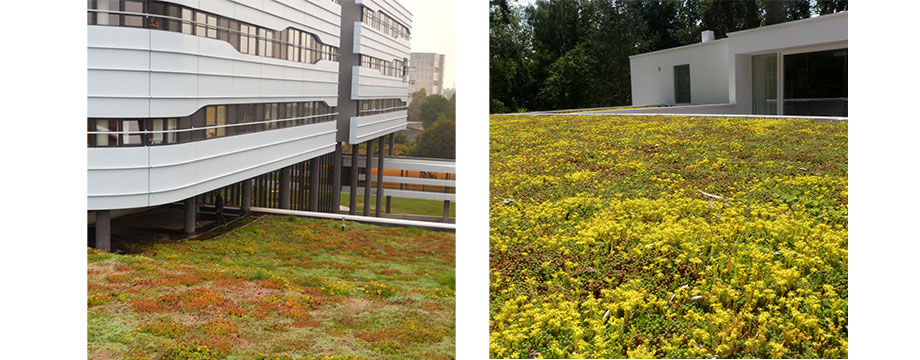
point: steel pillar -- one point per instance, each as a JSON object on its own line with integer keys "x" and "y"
{"x": 391, "y": 151}
{"x": 314, "y": 184}
{"x": 337, "y": 178}
{"x": 246, "y": 196}
{"x": 104, "y": 230}
{"x": 284, "y": 195}
{"x": 446, "y": 210}
{"x": 191, "y": 208}
{"x": 353, "y": 191}
{"x": 368, "y": 163}
{"x": 381, "y": 145}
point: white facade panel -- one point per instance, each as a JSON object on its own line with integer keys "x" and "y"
{"x": 392, "y": 8}
{"x": 143, "y": 73}
{"x": 374, "y": 43}
{"x": 185, "y": 72}
{"x": 130, "y": 177}
{"x": 368, "y": 84}
{"x": 366, "y": 128}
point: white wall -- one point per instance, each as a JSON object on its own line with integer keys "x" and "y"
{"x": 152, "y": 73}
{"x": 814, "y": 34}
{"x": 366, "y": 128}
{"x": 130, "y": 177}
{"x": 720, "y": 70}
{"x": 652, "y": 74}
{"x": 140, "y": 73}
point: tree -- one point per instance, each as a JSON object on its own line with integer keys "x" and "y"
{"x": 433, "y": 108}
{"x": 438, "y": 140}
{"x": 510, "y": 58}
{"x": 418, "y": 98}
{"x": 571, "y": 82}
{"x": 824, "y": 7}
{"x": 725, "y": 16}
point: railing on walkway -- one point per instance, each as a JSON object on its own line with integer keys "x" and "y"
{"x": 409, "y": 177}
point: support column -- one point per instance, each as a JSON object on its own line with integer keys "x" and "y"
{"x": 381, "y": 144}
{"x": 446, "y": 210}
{"x": 284, "y": 195}
{"x": 246, "y": 197}
{"x": 353, "y": 191}
{"x": 190, "y": 210}
{"x": 391, "y": 152}
{"x": 314, "y": 184}
{"x": 368, "y": 163}
{"x": 104, "y": 230}
{"x": 337, "y": 178}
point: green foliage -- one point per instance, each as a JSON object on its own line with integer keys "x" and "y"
{"x": 571, "y": 81}
{"x": 302, "y": 303}
{"x": 434, "y": 108}
{"x": 438, "y": 140}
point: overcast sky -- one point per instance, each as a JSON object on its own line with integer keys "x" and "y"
{"x": 434, "y": 29}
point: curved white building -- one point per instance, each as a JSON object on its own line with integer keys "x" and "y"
{"x": 189, "y": 96}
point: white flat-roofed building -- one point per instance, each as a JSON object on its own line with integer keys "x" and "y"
{"x": 426, "y": 71}
{"x": 792, "y": 68}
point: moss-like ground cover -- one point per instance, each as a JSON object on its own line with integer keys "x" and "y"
{"x": 277, "y": 288}
{"x": 668, "y": 237}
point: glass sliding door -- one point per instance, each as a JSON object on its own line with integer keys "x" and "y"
{"x": 763, "y": 92}
{"x": 815, "y": 83}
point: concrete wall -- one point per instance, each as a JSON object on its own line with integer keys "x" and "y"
{"x": 652, "y": 74}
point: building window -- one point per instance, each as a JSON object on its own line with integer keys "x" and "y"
{"x": 815, "y": 83}
{"x": 763, "y": 84}
{"x": 289, "y": 44}
{"x": 682, "y": 84}
{"x": 131, "y": 132}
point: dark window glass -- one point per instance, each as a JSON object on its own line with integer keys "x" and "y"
{"x": 222, "y": 33}
{"x": 134, "y": 6}
{"x": 682, "y": 84}
{"x": 235, "y": 35}
{"x": 815, "y": 83}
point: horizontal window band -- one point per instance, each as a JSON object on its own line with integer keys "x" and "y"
{"x": 236, "y": 151}
{"x": 208, "y": 127}
{"x": 290, "y": 44}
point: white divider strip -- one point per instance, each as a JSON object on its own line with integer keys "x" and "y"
{"x": 364, "y": 219}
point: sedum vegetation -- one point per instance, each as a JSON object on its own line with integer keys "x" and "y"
{"x": 277, "y": 288}
{"x": 668, "y": 237}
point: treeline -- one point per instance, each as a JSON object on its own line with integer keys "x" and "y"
{"x": 437, "y": 114}
{"x": 566, "y": 54}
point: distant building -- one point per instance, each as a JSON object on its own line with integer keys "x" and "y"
{"x": 426, "y": 71}
{"x": 449, "y": 92}
{"x": 792, "y": 68}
